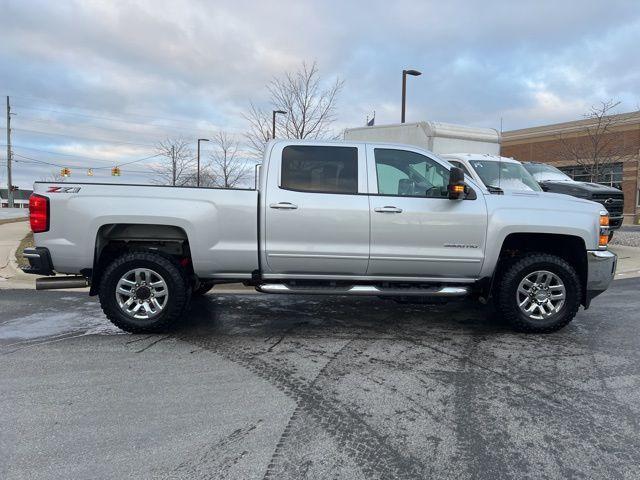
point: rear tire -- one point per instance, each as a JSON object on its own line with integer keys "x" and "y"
{"x": 142, "y": 292}
{"x": 538, "y": 293}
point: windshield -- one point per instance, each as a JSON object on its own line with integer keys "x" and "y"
{"x": 505, "y": 175}
{"x": 542, "y": 172}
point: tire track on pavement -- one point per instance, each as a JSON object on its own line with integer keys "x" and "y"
{"x": 371, "y": 451}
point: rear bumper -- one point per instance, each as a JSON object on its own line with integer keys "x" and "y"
{"x": 601, "y": 268}
{"x": 39, "y": 261}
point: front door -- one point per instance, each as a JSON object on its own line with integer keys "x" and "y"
{"x": 316, "y": 211}
{"x": 416, "y": 230}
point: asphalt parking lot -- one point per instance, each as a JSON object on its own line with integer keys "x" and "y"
{"x": 256, "y": 386}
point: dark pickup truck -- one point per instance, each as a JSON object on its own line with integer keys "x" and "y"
{"x": 556, "y": 181}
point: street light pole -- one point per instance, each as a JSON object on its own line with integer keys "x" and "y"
{"x": 273, "y": 130}
{"x": 198, "y": 168}
{"x": 413, "y": 73}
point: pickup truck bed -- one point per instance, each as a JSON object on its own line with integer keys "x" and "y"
{"x": 221, "y": 224}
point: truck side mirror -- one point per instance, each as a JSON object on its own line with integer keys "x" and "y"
{"x": 457, "y": 188}
{"x": 544, "y": 186}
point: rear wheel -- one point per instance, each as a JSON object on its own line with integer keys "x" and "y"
{"x": 143, "y": 292}
{"x": 539, "y": 293}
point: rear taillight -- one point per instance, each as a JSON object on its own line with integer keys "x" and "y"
{"x": 39, "y": 213}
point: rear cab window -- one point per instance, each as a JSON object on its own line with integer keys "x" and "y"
{"x": 319, "y": 169}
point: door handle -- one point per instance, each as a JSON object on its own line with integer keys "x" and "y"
{"x": 283, "y": 206}
{"x": 387, "y": 209}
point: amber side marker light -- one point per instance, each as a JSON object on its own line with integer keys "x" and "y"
{"x": 603, "y": 239}
{"x": 457, "y": 188}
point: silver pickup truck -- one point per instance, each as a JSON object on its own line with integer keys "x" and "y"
{"x": 330, "y": 218}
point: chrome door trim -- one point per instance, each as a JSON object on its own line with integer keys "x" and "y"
{"x": 429, "y": 259}
{"x": 317, "y": 255}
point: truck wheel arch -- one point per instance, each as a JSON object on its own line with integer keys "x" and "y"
{"x": 572, "y": 248}
{"x": 112, "y": 239}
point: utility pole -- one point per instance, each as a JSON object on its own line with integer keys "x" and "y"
{"x": 9, "y": 184}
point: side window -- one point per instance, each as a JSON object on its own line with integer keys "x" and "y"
{"x": 410, "y": 174}
{"x": 320, "y": 169}
{"x": 461, "y": 165}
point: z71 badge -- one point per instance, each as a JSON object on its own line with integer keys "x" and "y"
{"x": 63, "y": 190}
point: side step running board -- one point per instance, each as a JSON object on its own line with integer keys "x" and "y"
{"x": 366, "y": 290}
{"x": 53, "y": 283}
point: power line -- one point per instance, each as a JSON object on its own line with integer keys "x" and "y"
{"x": 120, "y": 120}
{"x": 86, "y": 166}
{"x": 83, "y": 157}
{"x": 38, "y": 132}
{"x": 69, "y": 105}
{"x": 57, "y": 123}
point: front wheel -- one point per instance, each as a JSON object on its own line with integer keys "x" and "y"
{"x": 538, "y": 293}
{"x": 143, "y": 292}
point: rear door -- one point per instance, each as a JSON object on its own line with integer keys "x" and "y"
{"x": 416, "y": 231}
{"x": 316, "y": 210}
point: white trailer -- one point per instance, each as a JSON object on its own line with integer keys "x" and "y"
{"x": 437, "y": 137}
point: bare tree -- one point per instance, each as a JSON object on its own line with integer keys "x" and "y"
{"x": 310, "y": 107}
{"x": 177, "y": 163}
{"x": 259, "y": 129}
{"x": 227, "y": 167}
{"x": 597, "y": 145}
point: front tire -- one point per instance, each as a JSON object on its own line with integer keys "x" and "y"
{"x": 538, "y": 293}
{"x": 142, "y": 292}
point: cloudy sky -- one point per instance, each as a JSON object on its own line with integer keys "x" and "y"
{"x": 96, "y": 83}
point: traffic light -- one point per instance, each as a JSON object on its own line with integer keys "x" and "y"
{"x": 115, "y": 172}
{"x": 65, "y": 172}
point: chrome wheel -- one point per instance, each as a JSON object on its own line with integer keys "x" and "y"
{"x": 141, "y": 293}
{"x": 541, "y": 294}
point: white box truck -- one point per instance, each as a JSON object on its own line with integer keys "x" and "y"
{"x": 475, "y": 150}
{"x": 437, "y": 137}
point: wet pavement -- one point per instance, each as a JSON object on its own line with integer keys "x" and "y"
{"x": 256, "y": 386}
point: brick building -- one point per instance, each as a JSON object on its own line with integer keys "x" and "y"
{"x": 548, "y": 144}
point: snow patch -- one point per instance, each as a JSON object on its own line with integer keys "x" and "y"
{"x": 51, "y": 324}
